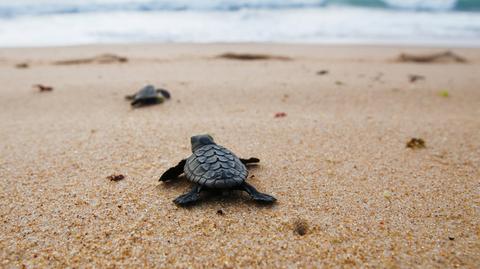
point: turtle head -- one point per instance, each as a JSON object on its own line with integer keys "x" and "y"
{"x": 199, "y": 141}
{"x": 164, "y": 93}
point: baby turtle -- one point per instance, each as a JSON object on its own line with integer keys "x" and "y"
{"x": 212, "y": 166}
{"x": 148, "y": 95}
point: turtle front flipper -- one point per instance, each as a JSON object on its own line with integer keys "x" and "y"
{"x": 189, "y": 197}
{"x": 256, "y": 195}
{"x": 130, "y": 97}
{"x": 252, "y": 160}
{"x": 173, "y": 172}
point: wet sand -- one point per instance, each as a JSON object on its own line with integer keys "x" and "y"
{"x": 337, "y": 160}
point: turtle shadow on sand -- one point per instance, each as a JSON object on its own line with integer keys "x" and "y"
{"x": 211, "y": 196}
{"x": 217, "y": 198}
{"x": 147, "y": 103}
{"x": 230, "y": 198}
{"x": 214, "y": 197}
{"x": 180, "y": 184}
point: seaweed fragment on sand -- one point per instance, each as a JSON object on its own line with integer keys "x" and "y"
{"x": 106, "y": 58}
{"x": 416, "y": 143}
{"x": 387, "y": 195}
{"x": 445, "y": 56}
{"x": 251, "y": 56}
{"x": 444, "y": 93}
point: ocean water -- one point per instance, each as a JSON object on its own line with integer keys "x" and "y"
{"x": 73, "y": 22}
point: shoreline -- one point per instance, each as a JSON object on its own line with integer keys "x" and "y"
{"x": 353, "y": 44}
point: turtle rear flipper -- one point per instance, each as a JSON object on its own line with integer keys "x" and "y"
{"x": 189, "y": 197}
{"x": 256, "y": 195}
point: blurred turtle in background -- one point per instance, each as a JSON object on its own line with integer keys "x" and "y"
{"x": 148, "y": 95}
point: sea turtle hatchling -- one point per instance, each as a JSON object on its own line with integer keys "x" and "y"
{"x": 212, "y": 166}
{"x": 148, "y": 95}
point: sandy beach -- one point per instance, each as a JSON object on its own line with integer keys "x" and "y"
{"x": 350, "y": 193}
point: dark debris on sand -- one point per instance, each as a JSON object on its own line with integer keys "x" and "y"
{"x": 414, "y": 78}
{"x": 116, "y": 177}
{"x": 280, "y": 115}
{"x": 251, "y": 56}
{"x": 43, "y": 88}
{"x": 322, "y": 72}
{"x": 416, "y": 143}
{"x": 22, "y": 65}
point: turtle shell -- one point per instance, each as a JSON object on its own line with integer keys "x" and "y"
{"x": 147, "y": 92}
{"x": 214, "y": 166}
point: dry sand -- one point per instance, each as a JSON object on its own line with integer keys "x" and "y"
{"x": 337, "y": 162}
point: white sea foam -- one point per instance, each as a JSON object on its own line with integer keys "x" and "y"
{"x": 423, "y": 4}
{"x": 303, "y": 24}
{"x": 19, "y": 7}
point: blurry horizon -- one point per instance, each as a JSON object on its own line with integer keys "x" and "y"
{"x": 75, "y": 22}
